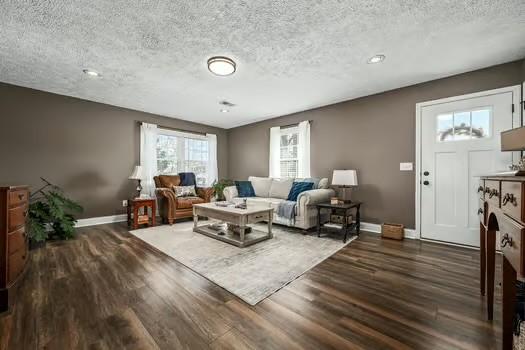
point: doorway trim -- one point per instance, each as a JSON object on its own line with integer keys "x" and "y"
{"x": 516, "y": 93}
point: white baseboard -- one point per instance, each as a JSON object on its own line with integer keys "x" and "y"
{"x": 101, "y": 220}
{"x": 376, "y": 228}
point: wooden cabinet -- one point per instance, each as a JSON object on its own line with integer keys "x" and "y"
{"x": 14, "y": 201}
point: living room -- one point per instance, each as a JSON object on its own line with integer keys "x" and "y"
{"x": 262, "y": 175}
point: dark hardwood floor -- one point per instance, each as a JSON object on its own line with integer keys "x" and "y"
{"x": 109, "y": 290}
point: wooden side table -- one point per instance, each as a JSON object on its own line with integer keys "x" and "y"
{"x": 344, "y": 209}
{"x": 143, "y": 216}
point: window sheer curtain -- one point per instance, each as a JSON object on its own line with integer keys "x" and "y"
{"x": 148, "y": 157}
{"x": 303, "y": 150}
{"x": 212, "y": 171}
{"x": 275, "y": 152}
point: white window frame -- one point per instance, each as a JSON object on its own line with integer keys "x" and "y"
{"x": 289, "y": 131}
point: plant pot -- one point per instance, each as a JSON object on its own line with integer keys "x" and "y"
{"x": 36, "y": 245}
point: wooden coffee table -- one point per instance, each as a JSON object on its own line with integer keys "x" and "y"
{"x": 239, "y": 217}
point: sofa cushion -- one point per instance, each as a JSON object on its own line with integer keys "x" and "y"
{"x": 280, "y": 188}
{"x": 245, "y": 188}
{"x": 261, "y": 185}
{"x": 169, "y": 181}
{"x": 298, "y": 188}
{"x": 188, "y": 202}
{"x": 258, "y": 201}
{"x": 323, "y": 183}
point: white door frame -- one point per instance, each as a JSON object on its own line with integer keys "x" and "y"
{"x": 515, "y": 89}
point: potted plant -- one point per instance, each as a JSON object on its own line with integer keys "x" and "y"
{"x": 51, "y": 215}
{"x": 219, "y": 186}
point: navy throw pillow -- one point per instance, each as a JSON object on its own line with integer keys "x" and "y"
{"x": 245, "y": 188}
{"x": 298, "y": 188}
{"x": 187, "y": 179}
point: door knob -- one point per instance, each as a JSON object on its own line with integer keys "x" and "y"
{"x": 426, "y": 183}
{"x": 426, "y": 173}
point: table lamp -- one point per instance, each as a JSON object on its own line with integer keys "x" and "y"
{"x": 344, "y": 179}
{"x": 137, "y": 175}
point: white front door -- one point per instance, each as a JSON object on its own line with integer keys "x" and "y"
{"x": 460, "y": 140}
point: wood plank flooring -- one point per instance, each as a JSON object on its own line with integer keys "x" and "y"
{"x": 108, "y": 290}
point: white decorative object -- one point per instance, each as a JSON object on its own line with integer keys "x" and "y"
{"x": 148, "y": 156}
{"x": 185, "y": 191}
{"x": 303, "y": 149}
{"x": 275, "y": 151}
{"x": 344, "y": 179}
{"x": 212, "y": 171}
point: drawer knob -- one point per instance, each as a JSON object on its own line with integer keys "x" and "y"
{"x": 480, "y": 211}
{"x": 487, "y": 190}
{"x": 506, "y": 240}
{"x": 509, "y": 198}
{"x": 493, "y": 193}
{"x": 20, "y": 196}
{"x": 480, "y": 189}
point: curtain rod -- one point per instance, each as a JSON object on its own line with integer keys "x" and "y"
{"x": 176, "y": 129}
{"x": 293, "y": 125}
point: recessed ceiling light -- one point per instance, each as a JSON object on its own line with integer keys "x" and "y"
{"x": 224, "y": 111}
{"x": 220, "y": 65}
{"x": 91, "y": 73}
{"x": 376, "y": 59}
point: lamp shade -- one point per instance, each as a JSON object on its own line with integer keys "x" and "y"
{"x": 344, "y": 178}
{"x": 136, "y": 174}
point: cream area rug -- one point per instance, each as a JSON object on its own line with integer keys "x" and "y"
{"x": 252, "y": 273}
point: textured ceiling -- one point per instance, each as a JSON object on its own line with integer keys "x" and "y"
{"x": 291, "y": 55}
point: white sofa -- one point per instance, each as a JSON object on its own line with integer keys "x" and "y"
{"x": 270, "y": 192}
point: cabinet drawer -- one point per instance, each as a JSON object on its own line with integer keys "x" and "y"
{"x": 253, "y": 218}
{"x": 16, "y": 241}
{"x": 511, "y": 243}
{"x": 17, "y": 198}
{"x": 492, "y": 193}
{"x": 481, "y": 189}
{"x": 511, "y": 199}
{"x": 15, "y": 265}
{"x": 17, "y": 217}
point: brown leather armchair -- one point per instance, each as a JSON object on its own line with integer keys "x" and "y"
{"x": 171, "y": 207}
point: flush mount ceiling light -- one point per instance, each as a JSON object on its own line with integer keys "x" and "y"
{"x": 220, "y": 65}
{"x": 376, "y": 59}
{"x": 224, "y": 111}
{"x": 91, "y": 73}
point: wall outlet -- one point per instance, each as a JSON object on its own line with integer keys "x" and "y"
{"x": 406, "y": 166}
{"x": 125, "y": 203}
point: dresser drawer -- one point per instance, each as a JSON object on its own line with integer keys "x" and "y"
{"x": 16, "y": 241}
{"x": 17, "y": 198}
{"x": 481, "y": 189}
{"x": 492, "y": 193}
{"x": 512, "y": 199}
{"x": 15, "y": 265}
{"x": 17, "y": 217}
{"x": 511, "y": 243}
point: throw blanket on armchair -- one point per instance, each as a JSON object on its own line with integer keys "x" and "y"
{"x": 286, "y": 209}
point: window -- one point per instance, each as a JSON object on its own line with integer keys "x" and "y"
{"x": 464, "y": 125}
{"x": 289, "y": 153}
{"x": 180, "y": 152}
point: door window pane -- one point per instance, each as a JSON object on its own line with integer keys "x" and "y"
{"x": 464, "y": 125}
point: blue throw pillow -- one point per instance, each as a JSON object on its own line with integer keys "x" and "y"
{"x": 298, "y": 188}
{"x": 245, "y": 188}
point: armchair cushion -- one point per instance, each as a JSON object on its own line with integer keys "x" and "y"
{"x": 188, "y": 202}
{"x": 185, "y": 191}
{"x": 169, "y": 181}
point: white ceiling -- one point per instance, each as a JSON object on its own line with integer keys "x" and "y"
{"x": 291, "y": 55}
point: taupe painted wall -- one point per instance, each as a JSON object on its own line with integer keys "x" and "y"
{"x": 87, "y": 148}
{"x": 371, "y": 134}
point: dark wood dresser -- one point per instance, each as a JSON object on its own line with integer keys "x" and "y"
{"x": 502, "y": 214}
{"x": 14, "y": 202}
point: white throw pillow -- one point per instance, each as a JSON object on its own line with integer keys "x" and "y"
{"x": 261, "y": 185}
{"x": 280, "y": 188}
{"x": 185, "y": 191}
{"x": 323, "y": 183}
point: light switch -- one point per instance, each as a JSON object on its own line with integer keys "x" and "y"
{"x": 406, "y": 166}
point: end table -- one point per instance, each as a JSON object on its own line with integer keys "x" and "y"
{"x": 345, "y": 210}
{"x": 141, "y": 216}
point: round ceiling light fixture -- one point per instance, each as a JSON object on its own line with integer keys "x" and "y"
{"x": 220, "y": 65}
{"x": 91, "y": 73}
{"x": 376, "y": 59}
{"x": 224, "y": 111}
